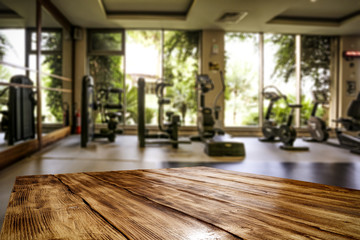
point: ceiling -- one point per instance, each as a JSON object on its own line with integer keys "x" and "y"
{"x": 330, "y": 17}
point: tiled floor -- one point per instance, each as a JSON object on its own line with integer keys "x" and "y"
{"x": 322, "y": 164}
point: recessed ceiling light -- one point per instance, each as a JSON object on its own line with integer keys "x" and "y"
{"x": 313, "y": 1}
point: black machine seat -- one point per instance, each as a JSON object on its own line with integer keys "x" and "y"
{"x": 352, "y": 124}
{"x": 271, "y": 96}
{"x": 349, "y": 124}
{"x": 354, "y": 109}
{"x": 114, "y": 114}
{"x": 163, "y": 101}
{"x": 295, "y": 105}
{"x": 169, "y": 114}
{"x": 113, "y": 106}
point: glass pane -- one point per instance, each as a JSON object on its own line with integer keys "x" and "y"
{"x": 143, "y": 59}
{"x": 107, "y": 72}
{"x": 242, "y": 79}
{"x": 315, "y": 74}
{"x": 52, "y": 101}
{"x": 50, "y": 41}
{"x": 12, "y": 50}
{"x": 101, "y": 41}
{"x": 181, "y": 49}
{"x": 279, "y": 71}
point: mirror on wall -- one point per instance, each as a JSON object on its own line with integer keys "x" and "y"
{"x": 18, "y": 57}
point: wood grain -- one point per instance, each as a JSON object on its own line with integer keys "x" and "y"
{"x": 56, "y": 135}
{"x": 136, "y": 216}
{"x": 13, "y": 153}
{"x": 181, "y": 203}
{"x": 26, "y": 148}
{"x": 41, "y": 207}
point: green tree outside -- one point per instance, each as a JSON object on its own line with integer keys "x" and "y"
{"x": 53, "y": 63}
{"x": 315, "y": 66}
{"x": 241, "y": 79}
{"x": 4, "y": 72}
{"x": 181, "y": 52}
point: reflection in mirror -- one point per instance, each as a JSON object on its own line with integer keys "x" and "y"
{"x": 52, "y": 104}
{"x": 12, "y": 51}
{"x": 20, "y": 102}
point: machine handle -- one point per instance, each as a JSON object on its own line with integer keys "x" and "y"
{"x": 277, "y": 91}
{"x": 160, "y": 86}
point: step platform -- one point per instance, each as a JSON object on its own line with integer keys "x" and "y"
{"x": 224, "y": 147}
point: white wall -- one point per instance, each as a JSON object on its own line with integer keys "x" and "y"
{"x": 213, "y": 51}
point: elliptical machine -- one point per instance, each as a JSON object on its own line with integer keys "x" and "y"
{"x": 4, "y": 124}
{"x": 285, "y": 133}
{"x": 206, "y": 117}
{"x": 169, "y": 128}
{"x": 316, "y": 126}
{"x": 216, "y": 143}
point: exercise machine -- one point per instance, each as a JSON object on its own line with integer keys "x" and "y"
{"x": 110, "y": 113}
{"x": 4, "y": 123}
{"x": 215, "y": 140}
{"x": 351, "y": 124}
{"x": 206, "y": 117}
{"x": 169, "y": 129}
{"x": 18, "y": 122}
{"x": 285, "y": 133}
{"x": 317, "y": 126}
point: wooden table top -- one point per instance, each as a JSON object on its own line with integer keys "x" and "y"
{"x": 178, "y": 203}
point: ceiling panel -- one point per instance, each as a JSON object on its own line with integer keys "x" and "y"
{"x": 203, "y": 14}
{"x": 332, "y": 9}
{"x": 147, "y": 5}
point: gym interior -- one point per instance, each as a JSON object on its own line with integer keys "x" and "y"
{"x": 258, "y": 87}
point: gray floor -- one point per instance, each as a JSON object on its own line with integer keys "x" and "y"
{"x": 322, "y": 164}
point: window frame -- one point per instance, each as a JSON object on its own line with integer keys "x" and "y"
{"x": 28, "y": 33}
{"x": 298, "y": 52}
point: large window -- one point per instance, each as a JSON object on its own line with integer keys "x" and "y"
{"x": 242, "y": 79}
{"x": 106, "y": 61}
{"x": 315, "y": 73}
{"x": 12, "y": 50}
{"x": 242, "y": 60}
{"x": 181, "y": 50}
{"x": 153, "y": 55}
{"x": 143, "y": 59}
{"x": 116, "y": 56}
{"x": 280, "y": 71}
{"x": 51, "y": 62}
{"x": 168, "y": 55}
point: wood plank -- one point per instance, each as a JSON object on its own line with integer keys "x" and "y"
{"x": 234, "y": 193}
{"x": 138, "y": 217}
{"x": 281, "y": 185}
{"x": 184, "y": 203}
{"x": 55, "y": 136}
{"x": 273, "y": 218}
{"x": 41, "y": 207}
{"x": 14, "y": 153}
{"x": 21, "y": 150}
